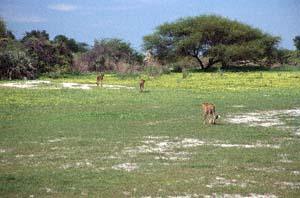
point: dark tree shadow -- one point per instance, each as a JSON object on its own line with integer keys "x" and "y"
{"x": 232, "y": 68}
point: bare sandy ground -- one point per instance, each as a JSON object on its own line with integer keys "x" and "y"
{"x": 37, "y": 84}
{"x": 273, "y": 118}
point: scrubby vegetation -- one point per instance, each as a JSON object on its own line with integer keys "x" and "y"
{"x": 193, "y": 43}
{"x": 110, "y": 55}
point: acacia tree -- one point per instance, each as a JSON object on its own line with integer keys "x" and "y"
{"x": 216, "y": 38}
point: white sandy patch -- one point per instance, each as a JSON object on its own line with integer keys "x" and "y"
{"x": 2, "y": 150}
{"x": 238, "y": 106}
{"x": 295, "y": 172}
{"x": 175, "y": 196}
{"x": 56, "y": 140}
{"x": 284, "y": 158}
{"x": 25, "y": 156}
{"x": 48, "y": 190}
{"x": 25, "y": 84}
{"x": 291, "y": 185}
{"x": 215, "y": 195}
{"x": 257, "y": 145}
{"x": 111, "y": 157}
{"x": 126, "y": 167}
{"x": 297, "y": 132}
{"x": 89, "y": 86}
{"x": 290, "y": 112}
{"x": 267, "y": 169}
{"x": 251, "y": 195}
{"x": 163, "y": 148}
{"x": 222, "y": 182}
{"x": 126, "y": 193}
{"x": 274, "y": 118}
{"x": 38, "y": 82}
{"x": 177, "y": 149}
{"x": 255, "y": 119}
{"x": 17, "y": 85}
{"x": 81, "y": 164}
{"x": 34, "y": 84}
{"x": 157, "y": 137}
{"x": 76, "y": 85}
{"x": 172, "y": 158}
{"x": 190, "y": 142}
{"x": 87, "y": 163}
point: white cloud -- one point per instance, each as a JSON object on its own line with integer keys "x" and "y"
{"x": 62, "y": 7}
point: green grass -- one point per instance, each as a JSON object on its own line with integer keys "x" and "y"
{"x": 65, "y": 142}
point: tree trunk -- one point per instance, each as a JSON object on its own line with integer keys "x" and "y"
{"x": 9, "y": 75}
{"x": 224, "y": 64}
{"x": 200, "y": 62}
{"x": 211, "y": 62}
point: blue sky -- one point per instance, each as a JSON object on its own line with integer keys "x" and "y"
{"x": 87, "y": 20}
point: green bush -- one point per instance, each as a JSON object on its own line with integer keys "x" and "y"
{"x": 16, "y": 65}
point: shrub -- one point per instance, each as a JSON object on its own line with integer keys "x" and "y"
{"x": 110, "y": 55}
{"x": 15, "y": 63}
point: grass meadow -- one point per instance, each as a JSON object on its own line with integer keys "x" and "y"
{"x": 100, "y": 142}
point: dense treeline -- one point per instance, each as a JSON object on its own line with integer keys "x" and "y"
{"x": 200, "y": 42}
{"x": 110, "y": 55}
{"x": 35, "y": 54}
